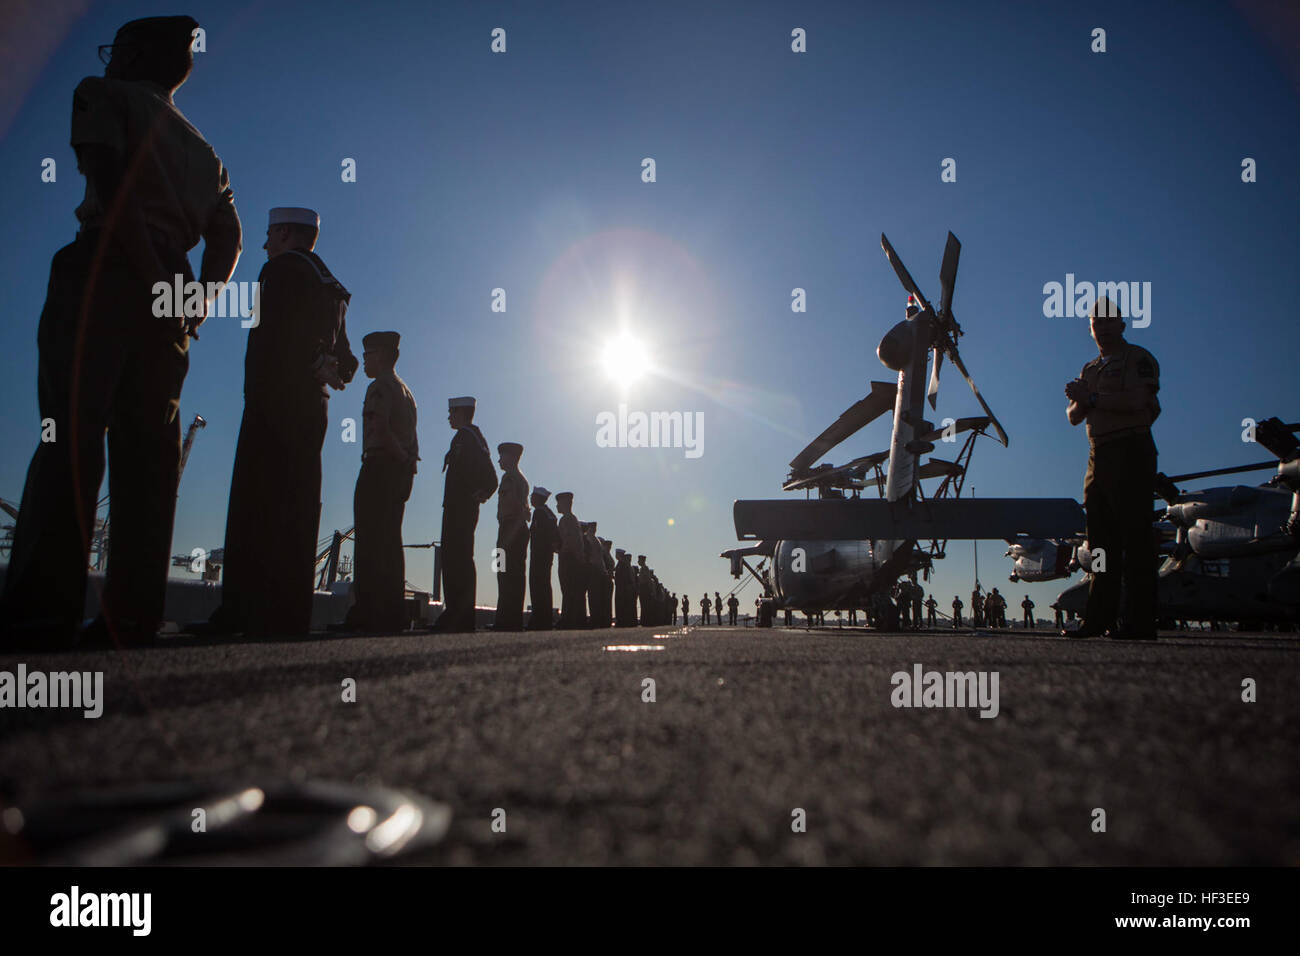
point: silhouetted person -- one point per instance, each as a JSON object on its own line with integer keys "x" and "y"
{"x": 916, "y": 594}
{"x": 471, "y": 481}
{"x": 296, "y": 353}
{"x": 512, "y": 538}
{"x": 595, "y": 572}
{"x": 645, "y": 592}
{"x": 976, "y": 608}
{"x": 733, "y": 606}
{"x": 686, "y": 610}
{"x": 389, "y": 454}
{"x": 956, "y": 612}
{"x": 573, "y": 565}
{"x": 704, "y": 609}
{"x": 107, "y": 363}
{"x": 930, "y": 606}
{"x": 544, "y": 539}
{"x": 607, "y": 556}
{"x": 1116, "y": 395}
{"x": 999, "y": 612}
{"x": 624, "y": 596}
{"x": 1028, "y": 605}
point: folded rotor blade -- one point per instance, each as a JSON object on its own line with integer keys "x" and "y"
{"x": 997, "y": 426}
{"x": 948, "y": 273}
{"x": 959, "y": 426}
{"x": 933, "y": 392}
{"x": 900, "y": 270}
{"x": 856, "y": 416}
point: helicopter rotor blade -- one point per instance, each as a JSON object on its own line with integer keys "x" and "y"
{"x": 997, "y": 426}
{"x": 856, "y": 416}
{"x": 1260, "y": 466}
{"x": 959, "y": 426}
{"x": 900, "y": 270}
{"x": 948, "y": 273}
{"x": 932, "y": 393}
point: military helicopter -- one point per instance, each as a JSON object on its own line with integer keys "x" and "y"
{"x": 837, "y": 551}
{"x": 1229, "y": 553}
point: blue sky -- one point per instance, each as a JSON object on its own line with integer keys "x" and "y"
{"x": 775, "y": 170}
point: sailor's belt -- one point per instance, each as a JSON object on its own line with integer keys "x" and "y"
{"x": 1109, "y": 437}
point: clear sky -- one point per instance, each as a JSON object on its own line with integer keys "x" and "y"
{"x": 775, "y": 170}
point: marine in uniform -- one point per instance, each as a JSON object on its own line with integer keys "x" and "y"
{"x": 297, "y": 352}
{"x": 544, "y": 541}
{"x": 108, "y": 364}
{"x": 390, "y": 451}
{"x": 686, "y": 610}
{"x": 512, "y": 538}
{"x": 704, "y": 609}
{"x": 717, "y": 606}
{"x": 1028, "y": 605}
{"x": 956, "y": 612}
{"x": 573, "y": 565}
{"x": 733, "y": 606}
{"x": 930, "y": 605}
{"x": 1116, "y": 395}
{"x": 471, "y": 481}
{"x": 976, "y": 608}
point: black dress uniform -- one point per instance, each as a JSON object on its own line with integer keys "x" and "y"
{"x": 544, "y": 541}
{"x": 107, "y": 364}
{"x": 471, "y": 480}
{"x": 624, "y": 596}
{"x": 596, "y": 580}
{"x": 270, "y": 565}
{"x": 646, "y": 615}
{"x": 512, "y": 540}
{"x": 1117, "y": 493}
{"x": 390, "y": 451}
{"x": 573, "y": 569}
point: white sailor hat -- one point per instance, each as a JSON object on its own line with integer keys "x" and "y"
{"x": 297, "y": 215}
{"x": 465, "y": 401}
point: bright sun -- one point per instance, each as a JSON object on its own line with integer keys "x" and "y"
{"x": 625, "y": 359}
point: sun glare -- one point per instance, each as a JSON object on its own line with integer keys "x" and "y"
{"x": 625, "y": 359}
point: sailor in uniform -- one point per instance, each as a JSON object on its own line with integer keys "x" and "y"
{"x": 471, "y": 481}
{"x": 512, "y": 538}
{"x": 297, "y": 352}
{"x": 544, "y": 541}
{"x": 573, "y": 564}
